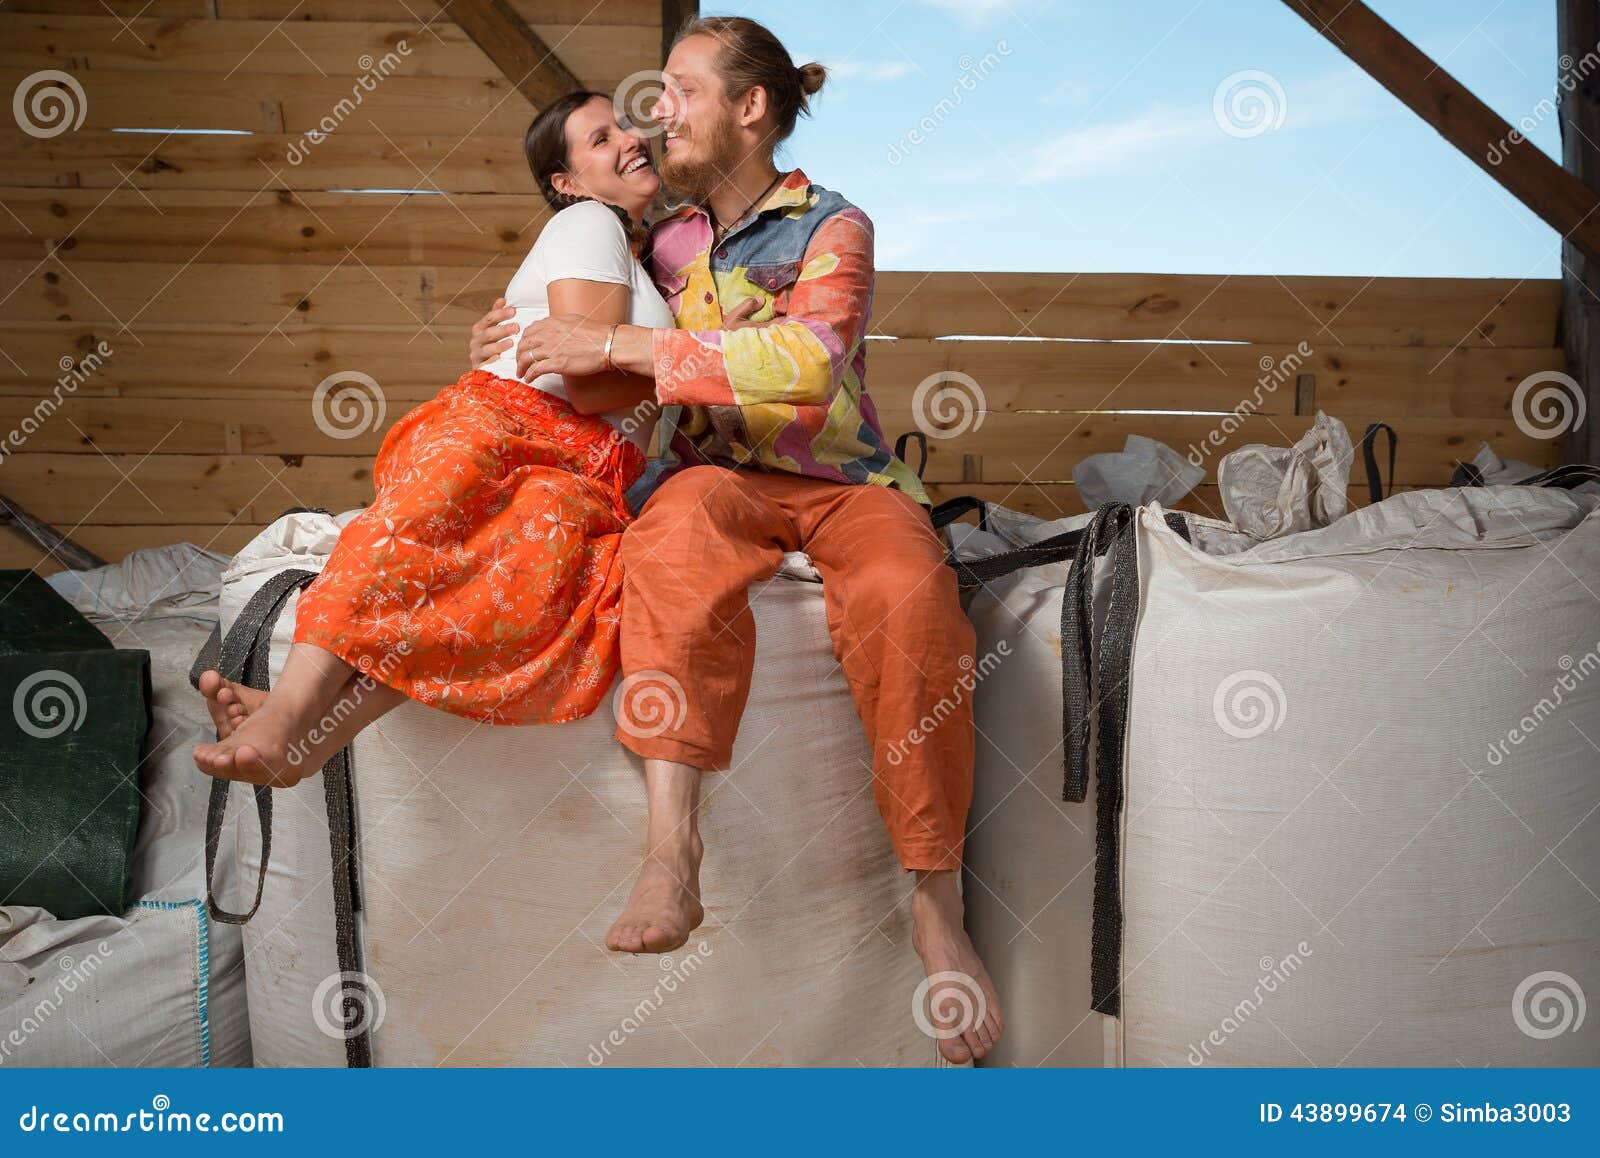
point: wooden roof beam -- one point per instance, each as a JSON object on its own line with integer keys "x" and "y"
{"x": 1563, "y": 201}
{"x": 530, "y": 64}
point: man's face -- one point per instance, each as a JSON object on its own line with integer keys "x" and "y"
{"x": 702, "y": 143}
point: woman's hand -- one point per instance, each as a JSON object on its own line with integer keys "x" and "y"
{"x": 491, "y": 334}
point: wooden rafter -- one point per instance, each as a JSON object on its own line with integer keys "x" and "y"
{"x": 516, "y": 50}
{"x": 674, "y": 14}
{"x": 1559, "y": 198}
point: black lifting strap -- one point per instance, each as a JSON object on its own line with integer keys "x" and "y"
{"x": 1093, "y": 688}
{"x": 1369, "y": 455}
{"x": 245, "y": 657}
{"x": 950, "y": 510}
{"x": 901, "y": 443}
{"x": 1567, "y": 478}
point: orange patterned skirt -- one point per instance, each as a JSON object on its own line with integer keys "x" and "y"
{"x": 485, "y": 579}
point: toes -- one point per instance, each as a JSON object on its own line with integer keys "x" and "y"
{"x": 210, "y": 683}
{"x": 626, "y": 939}
{"x": 975, "y": 1043}
{"x": 659, "y": 940}
{"x": 955, "y": 1049}
{"x": 225, "y": 694}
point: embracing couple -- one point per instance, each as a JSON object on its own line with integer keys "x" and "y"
{"x": 500, "y": 574}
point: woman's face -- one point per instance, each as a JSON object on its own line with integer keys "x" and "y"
{"x": 606, "y": 161}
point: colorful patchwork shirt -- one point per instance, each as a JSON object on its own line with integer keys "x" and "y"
{"x": 789, "y": 395}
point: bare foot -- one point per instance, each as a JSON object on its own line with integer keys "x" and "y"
{"x": 228, "y": 702}
{"x": 664, "y": 907}
{"x": 960, "y": 1004}
{"x": 267, "y": 742}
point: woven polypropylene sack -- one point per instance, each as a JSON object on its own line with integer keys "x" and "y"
{"x": 1029, "y": 854}
{"x": 493, "y": 859}
{"x": 1361, "y": 818}
{"x": 136, "y": 991}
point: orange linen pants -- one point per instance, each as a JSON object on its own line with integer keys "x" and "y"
{"x": 893, "y": 612}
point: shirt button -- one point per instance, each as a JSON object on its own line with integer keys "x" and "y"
{"x": 722, "y": 253}
{"x": 708, "y": 297}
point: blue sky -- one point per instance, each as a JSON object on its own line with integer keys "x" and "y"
{"x": 1085, "y": 139}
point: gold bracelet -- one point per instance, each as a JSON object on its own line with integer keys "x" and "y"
{"x": 611, "y": 336}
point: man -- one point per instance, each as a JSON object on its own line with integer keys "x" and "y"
{"x": 782, "y": 451}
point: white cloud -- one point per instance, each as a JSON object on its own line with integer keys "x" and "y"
{"x": 871, "y": 70}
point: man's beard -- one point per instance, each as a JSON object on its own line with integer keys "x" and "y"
{"x": 694, "y": 180}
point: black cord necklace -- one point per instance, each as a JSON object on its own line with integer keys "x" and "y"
{"x": 718, "y": 232}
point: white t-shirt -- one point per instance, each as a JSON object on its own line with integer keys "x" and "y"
{"x": 585, "y": 241}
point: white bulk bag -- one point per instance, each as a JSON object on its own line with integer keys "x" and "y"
{"x": 129, "y": 991}
{"x": 1448, "y": 615}
{"x": 1362, "y": 787}
{"x": 492, "y": 861}
{"x": 1029, "y": 862}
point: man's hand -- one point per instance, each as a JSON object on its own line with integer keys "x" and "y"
{"x": 564, "y": 344}
{"x": 491, "y": 334}
{"x": 569, "y": 344}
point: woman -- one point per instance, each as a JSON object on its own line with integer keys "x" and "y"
{"x": 485, "y": 578}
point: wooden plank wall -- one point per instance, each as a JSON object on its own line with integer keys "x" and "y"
{"x": 228, "y": 281}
